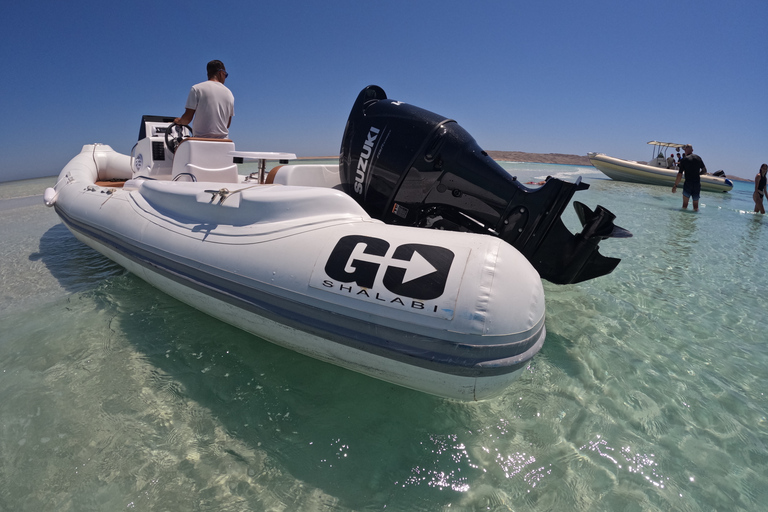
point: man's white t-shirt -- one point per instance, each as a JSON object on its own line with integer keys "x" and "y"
{"x": 214, "y": 105}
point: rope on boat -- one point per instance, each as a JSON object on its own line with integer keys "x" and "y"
{"x": 224, "y": 193}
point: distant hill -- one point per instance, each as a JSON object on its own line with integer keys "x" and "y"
{"x": 738, "y": 178}
{"x": 542, "y": 158}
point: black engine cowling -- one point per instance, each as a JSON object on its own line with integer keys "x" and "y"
{"x": 408, "y": 166}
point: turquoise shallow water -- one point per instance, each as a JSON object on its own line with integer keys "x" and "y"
{"x": 648, "y": 395}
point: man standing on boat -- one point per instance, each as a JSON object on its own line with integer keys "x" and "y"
{"x": 211, "y": 104}
{"x": 693, "y": 166}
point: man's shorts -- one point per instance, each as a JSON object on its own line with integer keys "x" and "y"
{"x": 692, "y": 190}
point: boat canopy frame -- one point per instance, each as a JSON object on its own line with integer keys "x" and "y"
{"x": 659, "y": 145}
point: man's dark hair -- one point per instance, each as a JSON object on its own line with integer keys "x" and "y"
{"x": 214, "y": 67}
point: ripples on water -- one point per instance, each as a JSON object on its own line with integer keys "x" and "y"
{"x": 647, "y": 395}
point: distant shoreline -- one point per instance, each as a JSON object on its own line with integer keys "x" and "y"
{"x": 515, "y": 156}
{"x": 539, "y": 158}
{"x": 510, "y": 156}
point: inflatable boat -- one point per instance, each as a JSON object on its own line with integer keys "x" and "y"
{"x": 655, "y": 172}
{"x": 417, "y": 260}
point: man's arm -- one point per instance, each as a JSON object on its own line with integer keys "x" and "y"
{"x": 186, "y": 118}
{"x": 677, "y": 181}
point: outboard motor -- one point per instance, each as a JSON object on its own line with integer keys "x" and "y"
{"x": 411, "y": 167}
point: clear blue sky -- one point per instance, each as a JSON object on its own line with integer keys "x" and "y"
{"x": 540, "y": 76}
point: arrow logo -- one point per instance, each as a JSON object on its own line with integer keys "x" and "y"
{"x": 417, "y": 271}
{"x": 415, "y": 268}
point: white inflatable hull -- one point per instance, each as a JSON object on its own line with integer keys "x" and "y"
{"x": 452, "y": 314}
{"x": 634, "y": 172}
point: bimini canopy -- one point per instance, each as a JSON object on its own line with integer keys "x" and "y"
{"x": 666, "y": 144}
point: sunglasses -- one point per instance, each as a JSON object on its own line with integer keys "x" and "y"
{"x": 226, "y": 75}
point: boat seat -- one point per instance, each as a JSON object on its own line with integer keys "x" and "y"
{"x": 206, "y": 160}
{"x": 305, "y": 175}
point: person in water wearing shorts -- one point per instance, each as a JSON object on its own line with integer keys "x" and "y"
{"x": 760, "y": 182}
{"x": 692, "y": 166}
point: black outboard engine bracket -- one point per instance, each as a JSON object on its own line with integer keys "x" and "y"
{"x": 411, "y": 167}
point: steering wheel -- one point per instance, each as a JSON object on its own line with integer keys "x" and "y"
{"x": 175, "y": 134}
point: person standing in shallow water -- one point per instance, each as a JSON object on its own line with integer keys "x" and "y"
{"x": 760, "y": 182}
{"x": 692, "y": 166}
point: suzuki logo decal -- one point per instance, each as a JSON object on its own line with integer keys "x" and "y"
{"x": 365, "y": 155}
